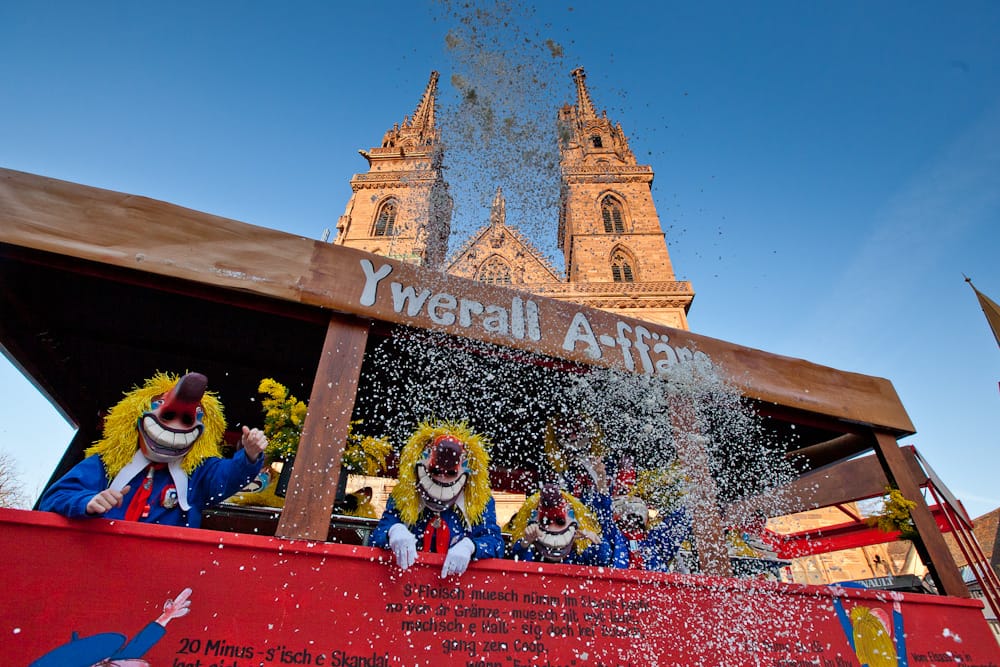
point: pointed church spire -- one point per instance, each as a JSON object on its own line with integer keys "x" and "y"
{"x": 423, "y": 117}
{"x": 990, "y": 309}
{"x": 498, "y": 211}
{"x": 417, "y": 133}
{"x": 585, "y": 107}
{"x": 586, "y": 134}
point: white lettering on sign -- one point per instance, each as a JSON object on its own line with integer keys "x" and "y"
{"x": 641, "y": 350}
{"x": 372, "y": 278}
{"x": 520, "y": 320}
{"x": 654, "y": 360}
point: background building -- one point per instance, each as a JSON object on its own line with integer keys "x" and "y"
{"x": 608, "y": 230}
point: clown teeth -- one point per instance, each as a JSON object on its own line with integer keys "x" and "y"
{"x": 436, "y": 491}
{"x": 557, "y": 542}
{"x": 166, "y": 438}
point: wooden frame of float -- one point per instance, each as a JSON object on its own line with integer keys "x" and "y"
{"x": 90, "y": 230}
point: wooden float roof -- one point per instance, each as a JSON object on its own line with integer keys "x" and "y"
{"x": 95, "y": 234}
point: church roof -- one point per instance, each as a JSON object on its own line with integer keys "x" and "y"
{"x": 497, "y": 238}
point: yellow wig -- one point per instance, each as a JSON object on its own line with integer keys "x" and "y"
{"x": 121, "y": 433}
{"x": 477, "y": 488}
{"x": 584, "y": 518}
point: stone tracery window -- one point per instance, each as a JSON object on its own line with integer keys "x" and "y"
{"x": 494, "y": 271}
{"x": 385, "y": 220}
{"x": 613, "y": 215}
{"x": 622, "y": 267}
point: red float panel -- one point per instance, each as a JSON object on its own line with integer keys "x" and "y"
{"x": 263, "y": 602}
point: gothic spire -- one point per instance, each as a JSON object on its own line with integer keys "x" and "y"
{"x": 585, "y": 107}
{"x": 498, "y": 211}
{"x": 423, "y": 117}
{"x": 417, "y": 133}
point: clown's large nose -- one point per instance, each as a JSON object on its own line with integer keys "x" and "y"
{"x": 446, "y": 456}
{"x": 181, "y": 402}
{"x": 551, "y": 505}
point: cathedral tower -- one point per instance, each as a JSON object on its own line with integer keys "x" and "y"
{"x": 401, "y": 208}
{"x": 615, "y": 252}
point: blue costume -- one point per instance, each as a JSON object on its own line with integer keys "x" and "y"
{"x": 611, "y": 551}
{"x": 656, "y": 548}
{"x": 485, "y": 534}
{"x": 214, "y": 480}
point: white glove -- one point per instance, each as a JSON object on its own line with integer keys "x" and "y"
{"x": 403, "y": 545}
{"x": 458, "y": 557}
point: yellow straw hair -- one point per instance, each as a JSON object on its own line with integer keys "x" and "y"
{"x": 477, "y": 488}
{"x": 121, "y": 432}
{"x": 584, "y": 518}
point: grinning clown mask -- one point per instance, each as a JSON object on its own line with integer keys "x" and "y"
{"x": 630, "y": 512}
{"x": 174, "y": 420}
{"x": 564, "y": 523}
{"x": 444, "y": 465}
{"x": 162, "y": 418}
{"x": 442, "y": 472}
{"x": 557, "y": 522}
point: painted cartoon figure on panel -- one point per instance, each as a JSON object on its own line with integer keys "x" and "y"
{"x": 110, "y": 649}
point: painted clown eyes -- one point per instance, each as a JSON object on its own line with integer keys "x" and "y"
{"x": 171, "y": 415}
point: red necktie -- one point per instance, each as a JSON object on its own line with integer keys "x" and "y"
{"x": 437, "y": 536}
{"x": 138, "y": 507}
{"x": 634, "y": 553}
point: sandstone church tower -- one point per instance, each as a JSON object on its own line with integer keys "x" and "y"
{"x": 401, "y": 208}
{"x": 615, "y": 252}
{"x": 609, "y": 231}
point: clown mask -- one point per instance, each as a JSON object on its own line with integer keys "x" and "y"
{"x": 442, "y": 472}
{"x": 173, "y": 422}
{"x": 557, "y": 523}
{"x": 630, "y": 513}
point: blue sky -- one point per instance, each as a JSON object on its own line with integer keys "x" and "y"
{"x": 825, "y": 172}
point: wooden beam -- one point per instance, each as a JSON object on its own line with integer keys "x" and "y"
{"x": 313, "y": 487}
{"x": 836, "y": 484}
{"x": 833, "y": 450}
{"x": 143, "y": 234}
{"x": 931, "y": 545}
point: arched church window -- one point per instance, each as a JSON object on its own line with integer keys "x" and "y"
{"x": 385, "y": 220}
{"x": 614, "y": 216}
{"x": 596, "y": 142}
{"x": 494, "y": 271}
{"x": 622, "y": 270}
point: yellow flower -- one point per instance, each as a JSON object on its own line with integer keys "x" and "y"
{"x": 284, "y": 416}
{"x": 895, "y": 514}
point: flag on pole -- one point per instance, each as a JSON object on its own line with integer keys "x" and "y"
{"x": 990, "y": 309}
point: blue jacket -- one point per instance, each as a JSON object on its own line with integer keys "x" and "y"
{"x": 612, "y": 551}
{"x": 662, "y": 542}
{"x": 209, "y": 484}
{"x": 89, "y": 651}
{"x": 485, "y": 534}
